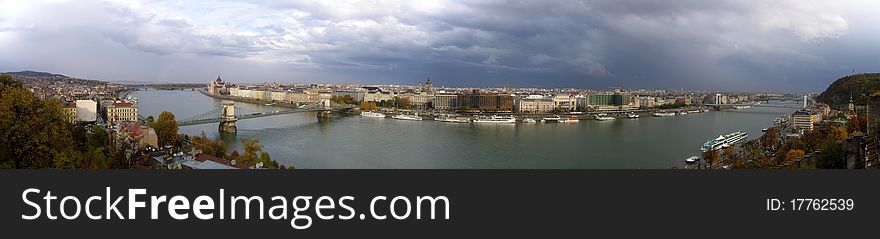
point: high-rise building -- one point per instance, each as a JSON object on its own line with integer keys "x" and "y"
{"x": 479, "y": 102}
{"x": 445, "y": 102}
{"x": 804, "y": 120}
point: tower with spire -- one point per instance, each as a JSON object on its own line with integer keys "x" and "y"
{"x": 429, "y": 87}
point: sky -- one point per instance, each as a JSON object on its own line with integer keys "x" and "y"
{"x": 761, "y": 45}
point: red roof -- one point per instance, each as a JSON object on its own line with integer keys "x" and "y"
{"x": 135, "y": 130}
{"x": 124, "y": 104}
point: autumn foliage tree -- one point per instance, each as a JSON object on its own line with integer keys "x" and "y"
{"x": 793, "y": 154}
{"x": 253, "y": 154}
{"x": 216, "y": 147}
{"x": 166, "y": 129}
{"x": 35, "y": 134}
{"x": 369, "y": 106}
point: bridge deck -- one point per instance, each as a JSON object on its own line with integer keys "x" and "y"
{"x": 217, "y": 118}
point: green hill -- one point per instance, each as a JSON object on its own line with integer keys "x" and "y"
{"x": 858, "y": 86}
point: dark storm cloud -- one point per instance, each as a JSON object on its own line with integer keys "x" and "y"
{"x": 736, "y": 45}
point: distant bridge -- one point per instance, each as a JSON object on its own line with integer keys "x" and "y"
{"x": 731, "y": 106}
{"x": 227, "y": 114}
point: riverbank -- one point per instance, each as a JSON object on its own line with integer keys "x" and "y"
{"x": 249, "y": 100}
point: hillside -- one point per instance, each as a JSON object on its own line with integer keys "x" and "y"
{"x": 857, "y": 86}
{"x": 34, "y": 74}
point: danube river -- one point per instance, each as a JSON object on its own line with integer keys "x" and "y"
{"x": 358, "y": 142}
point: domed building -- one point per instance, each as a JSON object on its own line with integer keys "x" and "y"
{"x": 218, "y": 87}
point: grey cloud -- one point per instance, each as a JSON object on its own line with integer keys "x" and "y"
{"x": 738, "y": 45}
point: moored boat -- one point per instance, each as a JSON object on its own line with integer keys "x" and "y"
{"x": 604, "y": 118}
{"x": 406, "y": 117}
{"x": 724, "y": 141}
{"x": 495, "y": 119}
{"x": 632, "y": 115}
{"x": 453, "y": 119}
{"x": 556, "y": 119}
{"x": 663, "y": 114}
{"x": 692, "y": 159}
{"x": 529, "y": 120}
{"x": 372, "y": 114}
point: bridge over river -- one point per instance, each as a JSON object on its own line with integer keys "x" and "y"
{"x": 227, "y": 114}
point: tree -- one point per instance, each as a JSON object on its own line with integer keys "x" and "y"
{"x": 216, "y": 147}
{"x": 769, "y": 139}
{"x": 8, "y": 81}
{"x": 832, "y": 156}
{"x": 837, "y": 134}
{"x": 729, "y": 155}
{"x": 857, "y": 124}
{"x": 251, "y": 148}
{"x": 99, "y": 137}
{"x": 369, "y": 106}
{"x": 166, "y": 129}
{"x": 793, "y": 155}
{"x": 711, "y": 157}
{"x": 33, "y": 131}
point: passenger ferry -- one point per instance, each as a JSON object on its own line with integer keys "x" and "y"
{"x": 601, "y": 117}
{"x": 556, "y": 119}
{"x": 724, "y": 141}
{"x": 663, "y": 114}
{"x": 495, "y": 119}
{"x": 454, "y": 119}
{"x": 372, "y": 114}
{"x": 407, "y": 117}
{"x": 529, "y": 120}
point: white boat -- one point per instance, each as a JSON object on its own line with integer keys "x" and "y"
{"x": 682, "y": 113}
{"x": 406, "y": 117}
{"x": 663, "y": 114}
{"x": 556, "y": 119}
{"x": 724, "y": 141}
{"x": 692, "y": 159}
{"x": 454, "y": 119}
{"x": 529, "y": 120}
{"x": 632, "y": 115}
{"x": 742, "y": 106}
{"x": 604, "y": 118}
{"x": 372, "y": 114}
{"x": 495, "y": 119}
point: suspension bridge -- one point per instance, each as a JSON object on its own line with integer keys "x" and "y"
{"x": 805, "y": 102}
{"x": 227, "y": 114}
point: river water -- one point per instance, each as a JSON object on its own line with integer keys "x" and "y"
{"x": 358, "y": 142}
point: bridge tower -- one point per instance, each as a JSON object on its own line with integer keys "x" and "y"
{"x": 325, "y": 113}
{"x": 227, "y": 117}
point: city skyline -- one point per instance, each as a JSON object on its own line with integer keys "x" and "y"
{"x": 785, "y": 46}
